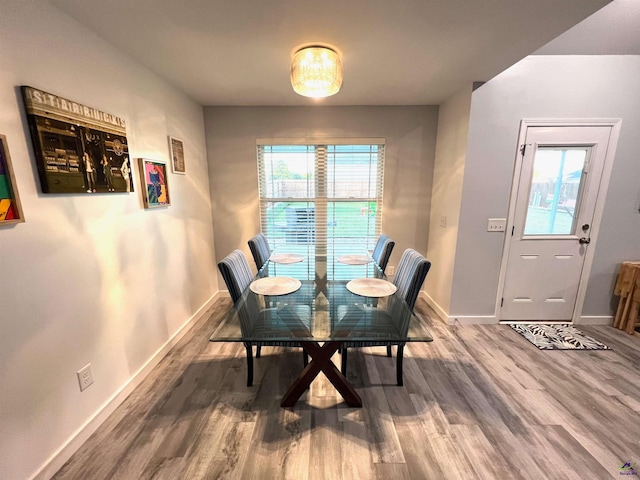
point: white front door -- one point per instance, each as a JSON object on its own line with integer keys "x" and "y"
{"x": 555, "y": 199}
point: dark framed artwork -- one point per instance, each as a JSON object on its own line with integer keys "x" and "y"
{"x": 78, "y": 149}
{"x": 155, "y": 188}
{"x": 176, "y": 151}
{"x": 10, "y": 207}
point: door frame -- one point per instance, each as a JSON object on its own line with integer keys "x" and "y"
{"x": 614, "y": 124}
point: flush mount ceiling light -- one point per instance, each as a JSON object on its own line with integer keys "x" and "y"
{"x": 316, "y": 72}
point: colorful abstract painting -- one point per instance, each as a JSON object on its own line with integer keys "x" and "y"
{"x": 155, "y": 186}
{"x": 10, "y": 209}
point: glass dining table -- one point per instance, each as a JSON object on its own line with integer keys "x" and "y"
{"x": 320, "y": 302}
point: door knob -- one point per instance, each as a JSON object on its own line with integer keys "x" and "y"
{"x": 585, "y": 240}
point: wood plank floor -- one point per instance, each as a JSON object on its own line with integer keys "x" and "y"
{"x": 478, "y": 402}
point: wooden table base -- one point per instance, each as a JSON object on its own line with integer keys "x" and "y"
{"x": 321, "y": 362}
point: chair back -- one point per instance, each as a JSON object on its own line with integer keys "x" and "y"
{"x": 382, "y": 251}
{"x": 260, "y": 249}
{"x": 410, "y": 274}
{"x": 236, "y": 273}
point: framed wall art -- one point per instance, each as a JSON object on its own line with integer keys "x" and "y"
{"x": 10, "y": 207}
{"x": 155, "y": 189}
{"x": 78, "y": 149}
{"x": 176, "y": 151}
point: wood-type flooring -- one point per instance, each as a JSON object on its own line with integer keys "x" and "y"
{"x": 478, "y": 402}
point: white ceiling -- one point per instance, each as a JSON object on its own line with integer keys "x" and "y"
{"x": 395, "y": 52}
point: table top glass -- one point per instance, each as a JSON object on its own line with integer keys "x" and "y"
{"x": 321, "y": 310}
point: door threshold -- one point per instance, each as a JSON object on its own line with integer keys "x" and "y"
{"x": 545, "y": 322}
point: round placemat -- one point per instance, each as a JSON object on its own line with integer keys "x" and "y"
{"x": 286, "y": 258}
{"x": 355, "y": 259}
{"x": 371, "y": 287}
{"x": 275, "y": 285}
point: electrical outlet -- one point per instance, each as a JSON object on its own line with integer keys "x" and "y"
{"x": 85, "y": 377}
{"x": 496, "y": 224}
{"x": 391, "y": 269}
{"x": 443, "y": 221}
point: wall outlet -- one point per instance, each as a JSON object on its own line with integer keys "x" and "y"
{"x": 496, "y": 224}
{"x": 391, "y": 270}
{"x": 85, "y": 377}
{"x": 443, "y": 221}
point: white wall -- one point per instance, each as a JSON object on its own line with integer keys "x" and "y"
{"x": 546, "y": 87}
{"x": 409, "y": 156}
{"x": 90, "y": 278}
{"x": 451, "y": 150}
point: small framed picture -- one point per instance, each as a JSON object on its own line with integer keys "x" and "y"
{"x": 155, "y": 188}
{"x": 10, "y": 207}
{"x": 176, "y": 150}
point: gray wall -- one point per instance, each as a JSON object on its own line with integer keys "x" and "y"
{"x": 409, "y": 157}
{"x": 546, "y": 87}
{"x": 451, "y": 151}
{"x": 90, "y": 278}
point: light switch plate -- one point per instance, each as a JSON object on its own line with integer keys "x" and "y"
{"x": 496, "y": 225}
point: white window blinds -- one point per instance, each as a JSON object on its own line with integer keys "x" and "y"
{"x": 321, "y": 197}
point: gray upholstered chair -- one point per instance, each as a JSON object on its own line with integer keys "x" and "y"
{"x": 410, "y": 274}
{"x": 382, "y": 251}
{"x": 260, "y": 249}
{"x": 237, "y": 276}
{"x": 236, "y": 273}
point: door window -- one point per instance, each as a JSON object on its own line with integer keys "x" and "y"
{"x": 554, "y": 193}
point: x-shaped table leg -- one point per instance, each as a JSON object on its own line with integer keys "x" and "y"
{"x": 321, "y": 362}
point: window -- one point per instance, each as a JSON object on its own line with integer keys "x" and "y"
{"x": 556, "y": 186}
{"x": 321, "y": 198}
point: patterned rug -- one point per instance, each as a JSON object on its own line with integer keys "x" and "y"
{"x": 557, "y": 337}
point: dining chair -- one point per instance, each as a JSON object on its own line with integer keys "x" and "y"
{"x": 260, "y": 249}
{"x": 382, "y": 251}
{"x": 236, "y": 273}
{"x": 237, "y": 276}
{"x": 410, "y": 274}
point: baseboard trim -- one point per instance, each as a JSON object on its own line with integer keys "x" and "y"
{"x": 471, "y": 320}
{"x": 585, "y": 320}
{"x": 435, "y": 307}
{"x": 459, "y": 319}
{"x": 64, "y": 453}
{"x": 595, "y": 320}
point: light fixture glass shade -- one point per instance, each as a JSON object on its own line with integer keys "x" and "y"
{"x": 316, "y": 72}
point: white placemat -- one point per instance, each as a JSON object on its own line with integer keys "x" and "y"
{"x": 355, "y": 259}
{"x": 275, "y": 285}
{"x": 286, "y": 258}
{"x": 371, "y": 287}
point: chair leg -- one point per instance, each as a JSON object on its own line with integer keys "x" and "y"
{"x": 258, "y": 348}
{"x": 343, "y": 367}
{"x": 249, "y": 349}
{"x": 388, "y": 350}
{"x": 305, "y": 358}
{"x": 399, "y": 365}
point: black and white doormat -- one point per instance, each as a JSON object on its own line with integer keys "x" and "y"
{"x": 557, "y": 337}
